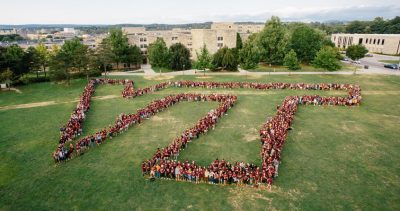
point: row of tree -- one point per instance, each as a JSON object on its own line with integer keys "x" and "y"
{"x": 276, "y": 44}
{"x": 176, "y": 57}
{"x": 71, "y": 58}
{"x": 377, "y": 26}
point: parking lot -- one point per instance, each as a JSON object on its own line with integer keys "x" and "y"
{"x": 375, "y": 65}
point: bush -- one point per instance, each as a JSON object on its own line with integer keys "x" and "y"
{"x": 290, "y": 61}
{"x": 58, "y": 75}
{"x": 92, "y": 73}
{"x": 327, "y": 58}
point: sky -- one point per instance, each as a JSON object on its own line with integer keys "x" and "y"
{"x": 189, "y": 11}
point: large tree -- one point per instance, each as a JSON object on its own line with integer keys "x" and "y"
{"x": 158, "y": 54}
{"x": 14, "y": 60}
{"x": 73, "y": 56}
{"x": 290, "y": 61}
{"x": 179, "y": 57}
{"x": 249, "y": 55}
{"x": 43, "y": 57}
{"x": 306, "y": 42}
{"x": 225, "y": 59}
{"x": 356, "y": 52}
{"x": 32, "y": 60}
{"x": 239, "y": 41}
{"x": 203, "y": 59}
{"x": 272, "y": 41}
{"x": 104, "y": 55}
{"x": 119, "y": 45}
{"x": 327, "y": 58}
{"x": 133, "y": 56}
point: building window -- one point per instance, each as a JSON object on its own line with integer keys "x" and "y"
{"x": 220, "y": 45}
{"x": 370, "y": 40}
{"x": 174, "y": 38}
{"x": 383, "y": 41}
{"x": 366, "y": 41}
{"x": 379, "y": 40}
{"x": 374, "y": 41}
{"x": 360, "y": 40}
{"x": 220, "y": 38}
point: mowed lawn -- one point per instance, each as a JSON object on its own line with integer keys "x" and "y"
{"x": 336, "y": 158}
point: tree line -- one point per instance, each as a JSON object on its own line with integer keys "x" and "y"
{"x": 277, "y": 44}
{"x": 72, "y": 59}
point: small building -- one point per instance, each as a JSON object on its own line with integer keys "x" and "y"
{"x": 375, "y": 43}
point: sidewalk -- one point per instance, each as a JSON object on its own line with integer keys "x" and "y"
{"x": 150, "y": 72}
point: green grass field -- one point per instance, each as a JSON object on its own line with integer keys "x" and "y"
{"x": 162, "y": 70}
{"x": 304, "y": 68}
{"x": 336, "y": 158}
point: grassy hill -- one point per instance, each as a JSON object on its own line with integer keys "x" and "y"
{"x": 336, "y": 158}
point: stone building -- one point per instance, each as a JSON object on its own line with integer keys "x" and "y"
{"x": 218, "y": 36}
{"x": 375, "y": 43}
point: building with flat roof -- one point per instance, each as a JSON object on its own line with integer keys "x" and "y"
{"x": 218, "y": 36}
{"x": 375, "y": 43}
{"x": 8, "y": 31}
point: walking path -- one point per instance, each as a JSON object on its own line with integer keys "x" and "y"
{"x": 150, "y": 72}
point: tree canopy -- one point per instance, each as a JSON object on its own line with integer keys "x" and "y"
{"x": 158, "y": 54}
{"x": 179, "y": 57}
{"x": 290, "y": 61}
{"x": 306, "y": 42}
{"x": 327, "y": 58}
{"x": 203, "y": 59}
{"x": 225, "y": 59}
{"x": 272, "y": 41}
{"x": 356, "y": 52}
{"x": 73, "y": 56}
{"x": 249, "y": 55}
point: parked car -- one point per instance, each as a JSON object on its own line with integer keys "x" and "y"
{"x": 357, "y": 62}
{"x": 369, "y": 55}
{"x": 345, "y": 59}
{"x": 391, "y": 66}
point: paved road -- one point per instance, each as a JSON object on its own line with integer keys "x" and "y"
{"x": 375, "y": 64}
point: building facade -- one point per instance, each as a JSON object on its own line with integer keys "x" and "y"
{"x": 375, "y": 43}
{"x": 218, "y": 36}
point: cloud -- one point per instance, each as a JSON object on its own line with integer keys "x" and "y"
{"x": 308, "y": 14}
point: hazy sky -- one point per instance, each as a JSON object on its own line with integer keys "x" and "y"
{"x": 186, "y": 11}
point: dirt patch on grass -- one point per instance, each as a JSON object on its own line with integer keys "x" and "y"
{"x": 202, "y": 77}
{"x": 169, "y": 119}
{"x": 28, "y": 105}
{"x": 247, "y": 194}
{"x": 254, "y": 76}
{"x": 159, "y": 78}
{"x": 12, "y": 89}
{"x": 48, "y": 103}
{"x": 351, "y": 127}
{"x": 249, "y": 137}
{"x": 381, "y": 92}
{"x": 106, "y": 97}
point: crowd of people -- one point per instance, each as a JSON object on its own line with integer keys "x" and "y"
{"x": 164, "y": 163}
{"x": 73, "y": 128}
{"x": 353, "y": 98}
